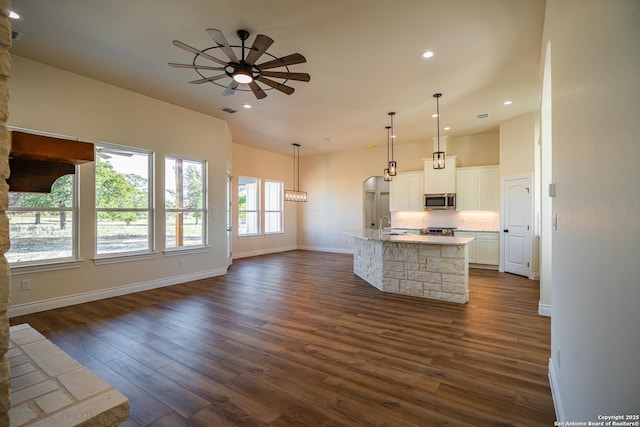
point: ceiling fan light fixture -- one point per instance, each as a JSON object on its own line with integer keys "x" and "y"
{"x": 242, "y": 76}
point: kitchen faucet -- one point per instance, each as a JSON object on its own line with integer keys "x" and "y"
{"x": 380, "y": 224}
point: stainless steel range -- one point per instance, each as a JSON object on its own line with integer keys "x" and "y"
{"x": 438, "y": 231}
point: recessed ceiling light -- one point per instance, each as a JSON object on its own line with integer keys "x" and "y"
{"x": 329, "y": 139}
{"x": 508, "y": 102}
{"x": 428, "y": 54}
{"x": 447, "y": 128}
{"x": 247, "y": 106}
{"x": 14, "y": 15}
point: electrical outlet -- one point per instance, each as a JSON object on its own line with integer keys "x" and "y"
{"x": 180, "y": 262}
{"x": 25, "y": 284}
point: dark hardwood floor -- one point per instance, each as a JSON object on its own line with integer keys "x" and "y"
{"x": 296, "y": 339}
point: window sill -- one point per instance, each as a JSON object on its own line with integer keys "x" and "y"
{"x": 186, "y": 250}
{"x": 107, "y": 259}
{"x": 250, "y": 236}
{"x": 42, "y": 267}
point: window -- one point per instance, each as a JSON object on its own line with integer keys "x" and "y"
{"x": 42, "y": 227}
{"x": 272, "y": 207}
{"x": 248, "y": 206}
{"x": 124, "y": 223}
{"x": 184, "y": 200}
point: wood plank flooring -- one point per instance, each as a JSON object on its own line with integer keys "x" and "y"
{"x": 296, "y": 339}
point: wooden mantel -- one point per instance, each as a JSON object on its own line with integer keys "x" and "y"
{"x": 36, "y": 161}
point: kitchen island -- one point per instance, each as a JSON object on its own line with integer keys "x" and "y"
{"x": 431, "y": 267}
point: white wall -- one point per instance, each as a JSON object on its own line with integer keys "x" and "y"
{"x": 595, "y": 341}
{"x": 334, "y": 186}
{"x": 52, "y": 100}
{"x": 255, "y": 163}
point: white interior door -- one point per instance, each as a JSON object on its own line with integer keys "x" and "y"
{"x": 517, "y": 226}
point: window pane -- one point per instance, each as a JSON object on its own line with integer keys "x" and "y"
{"x": 248, "y": 206}
{"x": 272, "y": 222}
{"x": 183, "y": 184}
{"x": 122, "y": 179}
{"x": 252, "y": 223}
{"x": 116, "y": 234}
{"x": 272, "y": 195}
{"x": 42, "y": 231}
{"x": 191, "y": 228}
{"x": 37, "y": 235}
{"x": 123, "y": 199}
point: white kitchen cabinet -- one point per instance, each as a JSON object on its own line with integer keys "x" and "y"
{"x": 438, "y": 181}
{"x": 478, "y": 188}
{"x": 406, "y": 192}
{"x": 484, "y": 249}
{"x": 487, "y": 248}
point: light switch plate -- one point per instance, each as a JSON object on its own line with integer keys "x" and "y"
{"x": 552, "y": 189}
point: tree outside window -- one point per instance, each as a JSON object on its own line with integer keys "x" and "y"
{"x": 123, "y": 200}
{"x": 185, "y": 203}
{"x": 41, "y": 226}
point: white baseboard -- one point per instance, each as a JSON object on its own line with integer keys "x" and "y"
{"x": 555, "y": 393}
{"x": 49, "y": 304}
{"x": 544, "y": 309}
{"x": 258, "y": 252}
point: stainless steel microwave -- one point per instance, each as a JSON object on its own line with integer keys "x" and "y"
{"x": 440, "y": 201}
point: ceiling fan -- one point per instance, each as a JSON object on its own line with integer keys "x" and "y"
{"x": 243, "y": 70}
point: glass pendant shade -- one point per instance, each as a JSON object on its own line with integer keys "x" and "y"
{"x": 438, "y": 160}
{"x": 387, "y": 176}
{"x": 392, "y": 168}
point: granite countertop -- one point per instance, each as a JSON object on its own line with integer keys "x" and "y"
{"x": 398, "y": 236}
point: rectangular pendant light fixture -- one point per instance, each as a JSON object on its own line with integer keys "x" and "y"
{"x": 295, "y": 195}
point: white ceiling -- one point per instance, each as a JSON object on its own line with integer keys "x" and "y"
{"x": 364, "y": 58}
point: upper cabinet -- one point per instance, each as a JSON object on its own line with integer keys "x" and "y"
{"x": 478, "y": 188}
{"x": 440, "y": 180}
{"x": 406, "y": 192}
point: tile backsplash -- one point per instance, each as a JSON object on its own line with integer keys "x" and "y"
{"x": 462, "y": 220}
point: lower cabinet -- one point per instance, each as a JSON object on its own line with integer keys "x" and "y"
{"x": 485, "y": 248}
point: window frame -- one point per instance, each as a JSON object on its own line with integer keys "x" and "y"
{"x": 73, "y": 260}
{"x": 108, "y": 257}
{"x": 257, "y": 210}
{"x": 204, "y": 210}
{"x": 279, "y": 211}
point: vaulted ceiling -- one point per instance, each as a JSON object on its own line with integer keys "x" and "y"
{"x": 364, "y": 58}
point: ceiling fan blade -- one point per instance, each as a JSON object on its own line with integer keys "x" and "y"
{"x": 294, "y": 58}
{"x": 219, "y": 38}
{"x": 278, "y": 86}
{"x": 260, "y": 45}
{"x": 257, "y": 91}
{"x": 188, "y": 48}
{"x": 209, "y": 79}
{"x": 199, "y": 67}
{"x": 303, "y": 77}
{"x": 231, "y": 89}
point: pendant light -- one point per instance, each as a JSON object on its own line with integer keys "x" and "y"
{"x": 392, "y": 163}
{"x": 438, "y": 156}
{"x": 295, "y": 195}
{"x": 387, "y": 175}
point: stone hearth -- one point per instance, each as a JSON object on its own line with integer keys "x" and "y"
{"x": 49, "y": 388}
